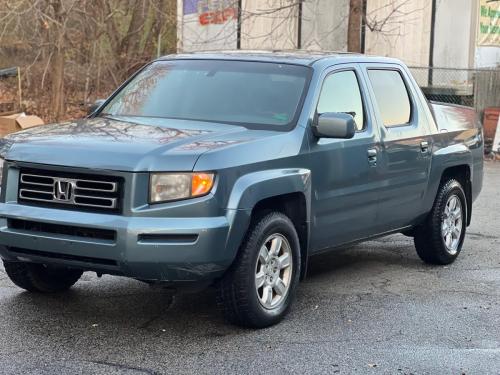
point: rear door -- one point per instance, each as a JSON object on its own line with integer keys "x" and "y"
{"x": 344, "y": 203}
{"x": 406, "y": 144}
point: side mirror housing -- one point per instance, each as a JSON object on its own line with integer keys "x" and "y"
{"x": 334, "y": 125}
{"x": 95, "y": 106}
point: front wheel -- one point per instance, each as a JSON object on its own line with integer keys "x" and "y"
{"x": 258, "y": 289}
{"x": 439, "y": 240}
{"x": 41, "y": 278}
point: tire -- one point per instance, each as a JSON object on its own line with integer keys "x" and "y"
{"x": 409, "y": 232}
{"x": 446, "y": 221}
{"x": 239, "y": 295}
{"x": 39, "y": 278}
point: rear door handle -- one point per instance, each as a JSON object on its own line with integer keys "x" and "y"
{"x": 424, "y": 146}
{"x": 372, "y": 157}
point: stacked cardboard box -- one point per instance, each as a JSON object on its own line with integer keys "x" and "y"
{"x": 16, "y": 122}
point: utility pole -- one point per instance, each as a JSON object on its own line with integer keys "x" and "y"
{"x": 354, "y": 25}
{"x": 431, "y": 44}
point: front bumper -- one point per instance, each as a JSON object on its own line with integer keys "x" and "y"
{"x": 147, "y": 248}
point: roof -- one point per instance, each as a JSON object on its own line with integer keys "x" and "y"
{"x": 300, "y": 57}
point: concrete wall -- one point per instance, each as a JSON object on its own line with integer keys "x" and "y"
{"x": 408, "y": 36}
{"x": 487, "y": 57}
{"x": 405, "y": 34}
{"x": 452, "y": 36}
{"x": 324, "y": 25}
{"x": 265, "y": 27}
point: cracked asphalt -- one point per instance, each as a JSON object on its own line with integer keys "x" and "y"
{"x": 374, "y": 308}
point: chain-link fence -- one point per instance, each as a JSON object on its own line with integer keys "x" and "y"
{"x": 478, "y": 88}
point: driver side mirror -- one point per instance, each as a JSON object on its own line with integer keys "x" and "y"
{"x": 95, "y": 106}
{"x": 334, "y": 125}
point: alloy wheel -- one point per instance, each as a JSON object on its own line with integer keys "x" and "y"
{"x": 273, "y": 271}
{"x": 451, "y": 225}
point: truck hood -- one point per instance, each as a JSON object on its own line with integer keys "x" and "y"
{"x": 124, "y": 143}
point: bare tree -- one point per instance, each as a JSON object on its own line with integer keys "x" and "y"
{"x": 69, "y": 49}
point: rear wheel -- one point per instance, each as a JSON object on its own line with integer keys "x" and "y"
{"x": 41, "y": 278}
{"x": 258, "y": 289}
{"x": 439, "y": 240}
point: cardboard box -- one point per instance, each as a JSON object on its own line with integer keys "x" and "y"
{"x": 17, "y": 122}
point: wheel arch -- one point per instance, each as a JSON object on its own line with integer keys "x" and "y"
{"x": 294, "y": 206}
{"x": 461, "y": 173}
{"x": 283, "y": 190}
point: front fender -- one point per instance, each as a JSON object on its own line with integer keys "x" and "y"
{"x": 255, "y": 187}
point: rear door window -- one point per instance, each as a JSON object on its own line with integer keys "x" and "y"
{"x": 391, "y": 96}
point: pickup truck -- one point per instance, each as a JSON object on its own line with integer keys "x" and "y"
{"x": 231, "y": 169}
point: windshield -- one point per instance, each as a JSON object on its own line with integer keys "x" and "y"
{"x": 235, "y": 92}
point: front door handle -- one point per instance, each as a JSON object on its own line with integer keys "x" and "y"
{"x": 424, "y": 147}
{"x": 372, "y": 157}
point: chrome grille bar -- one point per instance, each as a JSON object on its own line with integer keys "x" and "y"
{"x": 68, "y": 190}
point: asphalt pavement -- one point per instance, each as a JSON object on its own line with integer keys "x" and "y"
{"x": 374, "y": 308}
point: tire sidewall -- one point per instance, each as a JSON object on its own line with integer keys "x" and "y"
{"x": 53, "y": 280}
{"x": 284, "y": 227}
{"x": 35, "y": 277}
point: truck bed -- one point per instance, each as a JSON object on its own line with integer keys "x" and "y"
{"x": 453, "y": 117}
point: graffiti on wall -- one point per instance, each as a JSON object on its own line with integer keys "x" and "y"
{"x": 209, "y": 24}
{"x": 212, "y": 11}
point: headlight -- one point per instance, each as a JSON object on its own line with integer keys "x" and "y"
{"x": 164, "y": 187}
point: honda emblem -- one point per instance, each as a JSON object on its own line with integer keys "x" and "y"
{"x": 63, "y": 190}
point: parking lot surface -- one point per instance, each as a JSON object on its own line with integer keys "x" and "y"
{"x": 372, "y": 308}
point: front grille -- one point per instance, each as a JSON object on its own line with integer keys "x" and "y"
{"x": 69, "y": 190}
{"x": 68, "y": 230}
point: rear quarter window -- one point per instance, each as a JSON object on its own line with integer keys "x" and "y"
{"x": 391, "y": 96}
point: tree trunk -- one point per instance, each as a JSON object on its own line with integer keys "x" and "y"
{"x": 156, "y": 29}
{"x": 57, "y": 68}
{"x": 57, "y": 87}
{"x": 354, "y": 27}
{"x": 129, "y": 50}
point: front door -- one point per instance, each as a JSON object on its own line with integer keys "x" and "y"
{"x": 344, "y": 181}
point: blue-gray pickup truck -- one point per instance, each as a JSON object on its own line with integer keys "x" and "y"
{"x": 232, "y": 169}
